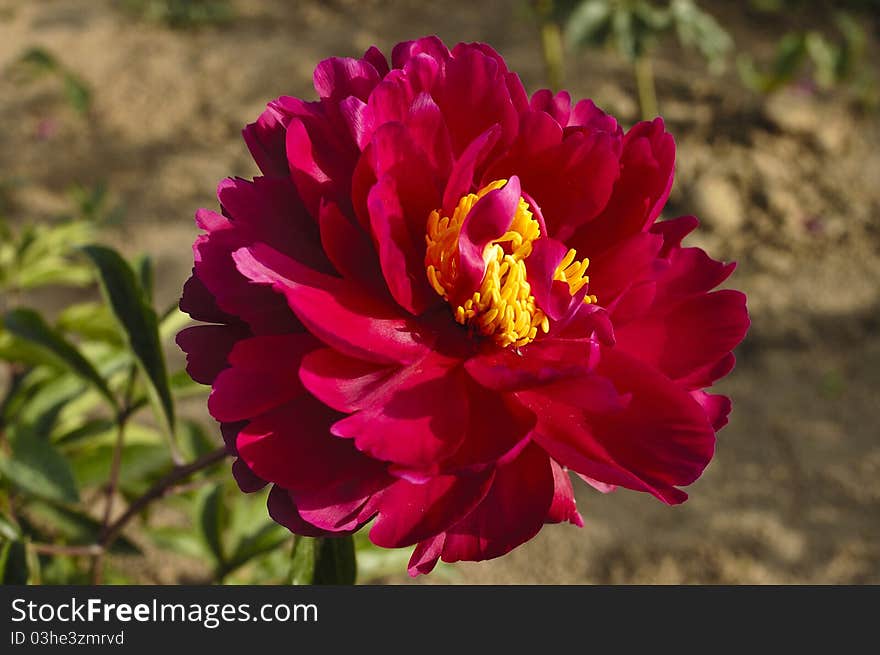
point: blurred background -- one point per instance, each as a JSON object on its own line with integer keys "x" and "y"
{"x": 120, "y": 117}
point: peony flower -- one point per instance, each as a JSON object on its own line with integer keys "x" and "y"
{"x": 444, "y": 295}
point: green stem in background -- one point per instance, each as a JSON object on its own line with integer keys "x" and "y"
{"x": 162, "y": 488}
{"x": 552, "y": 50}
{"x": 644, "y": 72}
{"x": 115, "y": 469}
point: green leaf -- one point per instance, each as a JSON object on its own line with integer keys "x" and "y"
{"x": 178, "y": 540}
{"x": 29, "y": 325}
{"x": 265, "y": 539}
{"x": 140, "y": 462}
{"x": 90, "y": 320}
{"x": 59, "y": 523}
{"x": 13, "y": 563}
{"x": 38, "y": 469}
{"x": 589, "y": 23}
{"x": 213, "y": 519}
{"x": 139, "y": 322}
{"x": 144, "y": 268}
{"x": 8, "y": 529}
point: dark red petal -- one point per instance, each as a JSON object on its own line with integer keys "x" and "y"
{"x": 248, "y": 481}
{"x": 417, "y": 421}
{"x": 511, "y": 513}
{"x": 269, "y": 210}
{"x": 335, "y": 310}
{"x": 207, "y": 348}
{"x": 283, "y": 511}
{"x": 263, "y": 310}
{"x": 265, "y": 139}
{"x": 201, "y": 304}
{"x": 409, "y": 513}
{"x": 262, "y": 375}
{"x": 292, "y": 447}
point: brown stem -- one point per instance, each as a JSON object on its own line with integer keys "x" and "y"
{"x": 89, "y": 550}
{"x": 159, "y": 490}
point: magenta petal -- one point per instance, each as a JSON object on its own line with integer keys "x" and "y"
{"x": 429, "y": 45}
{"x": 488, "y": 220}
{"x": 692, "y": 336}
{"x": 558, "y": 106}
{"x": 552, "y": 296}
{"x": 262, "y": 375}
{"x": 334, "y": 310}
{"x": 418, "y": 422}
{"x": 717, "y": 407}
{"x": 425, "y": 555}
{"x": 511, "y": 513}
{"x": 659, "y": 441}
{"x": 343, "y": 383}
{"x": 337, "y": 78}
{"x": 349, "y": 249}
{"x": 674, "y": 231}
{"x": 564, "y": 508}
{"x": 461, "y": 179}
{"x": 410, "y": 513}
{"x": 401, "y": 259}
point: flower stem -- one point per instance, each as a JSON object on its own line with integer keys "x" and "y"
{"x": 551, "y": 48}
{"x": 644, "y": 72}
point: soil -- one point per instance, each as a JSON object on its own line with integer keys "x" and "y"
{"x": 786, "y": 185}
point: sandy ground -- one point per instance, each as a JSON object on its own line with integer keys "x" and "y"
{"x": 787, "y": 186}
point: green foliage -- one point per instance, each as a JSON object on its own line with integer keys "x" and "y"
{"x": 138, "y": 320}
{"x": 832, "y": 58}
{"x": 181, "y": 14}
{"x": 39, "y": 62}
{"x": 633, "y": 27}
{"x": 73, "y": 436}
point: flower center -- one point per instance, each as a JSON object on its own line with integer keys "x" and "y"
{"x": 503, "y": 308}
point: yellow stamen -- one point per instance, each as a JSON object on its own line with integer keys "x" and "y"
{"x": 503, "y": 308}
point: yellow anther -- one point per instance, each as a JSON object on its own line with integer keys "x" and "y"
{"x": 503, "y": 308}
